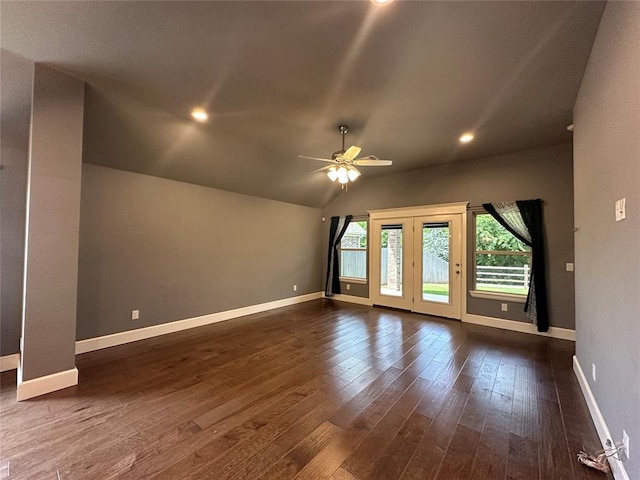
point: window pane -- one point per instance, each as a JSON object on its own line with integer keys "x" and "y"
{"x": 504, "y": 273}
{"x": 353, "y": 263}
{"x": 353, "y": 251}
{"x": 502, "y": 262}
{"x": 492, "y": 236}
{"x": 435, "y": 262}
{"x": 391, "y": 260}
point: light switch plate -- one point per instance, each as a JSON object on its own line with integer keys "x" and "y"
{"x": 625, "y": 442}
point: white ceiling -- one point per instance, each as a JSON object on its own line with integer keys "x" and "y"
{"x": 278, "y": 78}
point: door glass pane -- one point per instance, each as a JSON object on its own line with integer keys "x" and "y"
{"x": 391, "y": 260}
{"x": 435, "y": 262}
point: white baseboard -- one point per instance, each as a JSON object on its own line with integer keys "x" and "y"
{"x": 47, "y": 384}
{"x": 9, "y": 362}
{"x": 617, "y": 467}
{"x": 555, "y": 332}
{"x": 351, "y": 299}
{"x": 121, "y": 338}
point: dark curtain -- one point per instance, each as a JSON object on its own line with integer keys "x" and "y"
{"x": 536, "y": 305}
{"x": 531, "y": 211}
{"x": 338, "y": 227}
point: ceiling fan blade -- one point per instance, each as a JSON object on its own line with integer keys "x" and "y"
{"x": 351, "y": 153}
{"x": 322, "y": 169}
{"x": 316, "y": 158}
{"x": 372, "y": 162}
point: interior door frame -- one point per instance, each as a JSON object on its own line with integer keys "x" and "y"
{"x": 422, "y": 211}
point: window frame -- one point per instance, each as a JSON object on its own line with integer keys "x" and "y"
{"x": 356, "y": 280}
{"x": 474, "y": 292}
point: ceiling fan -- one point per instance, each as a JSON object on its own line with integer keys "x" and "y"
{"x": 344, "y": 162}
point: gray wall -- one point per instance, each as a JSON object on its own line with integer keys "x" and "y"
{"x": 607, "y": 167}
{"x": 540, "y": 173}
{"x": 13, "y": 193}
{"x": 176, "y": 250}
{"x": 16, "y": 84}
{"x": 53, "y": 217}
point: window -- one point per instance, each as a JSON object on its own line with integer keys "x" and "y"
{"x": 353, "y": 252}
{"x": 502, "y": 262}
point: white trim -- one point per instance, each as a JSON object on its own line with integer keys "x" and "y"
{"x": 463, "y": 244}
{"x": 9, "y": 362}
{"x": 351, "y": 299}
{"x": 420, "y": 211}
{"x": 617, "y": 467}
{"x": 505, "y": 297}
{"x": 554, "y": 332}
{"x": 47, "y": 384}
{"x": 121, "y": 338}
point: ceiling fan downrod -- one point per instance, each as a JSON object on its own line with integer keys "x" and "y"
{"x": 344, "y": 129}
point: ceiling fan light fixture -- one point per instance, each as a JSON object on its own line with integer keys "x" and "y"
{"x": 343, "y": 176}
{"x": 343, "y": 162}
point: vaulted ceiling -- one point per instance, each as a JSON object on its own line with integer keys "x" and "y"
{"x": 278, "y": 78}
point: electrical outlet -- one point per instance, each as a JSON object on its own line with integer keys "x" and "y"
{"x": 135, "y": 314}
{"x": 348, "y": 286}
{"x": 593, "y": 371}
{"x": 625, "y": 442}
{"x": 569, "y": 267}
{"x": 621, "y": 213}
{"x": 504, "y": 307}
{"x": 295, "y": 288}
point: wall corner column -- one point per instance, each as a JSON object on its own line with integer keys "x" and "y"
{"x": 47, "y": 360}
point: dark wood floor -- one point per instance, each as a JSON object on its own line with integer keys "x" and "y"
{"x": 318, "y": 390}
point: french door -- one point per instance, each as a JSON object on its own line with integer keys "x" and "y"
{"x": 437, "y": 267}
{"x": 392, "y": 263}
{"x": 417, "y": 263}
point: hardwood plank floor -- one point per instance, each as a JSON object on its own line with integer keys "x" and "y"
{"x": 318, "y": 390}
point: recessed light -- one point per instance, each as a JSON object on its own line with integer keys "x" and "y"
{"x": 199, "y": 115}
{"x": 466, "y": 138}
{"x": 381, "y": 2}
